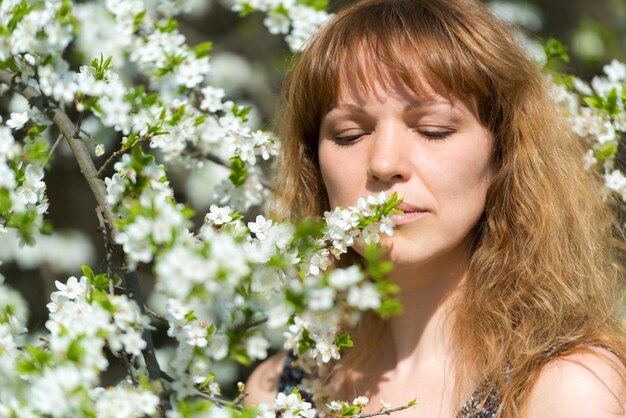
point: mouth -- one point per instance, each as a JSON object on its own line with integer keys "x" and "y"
{"x": 411, "y": 213}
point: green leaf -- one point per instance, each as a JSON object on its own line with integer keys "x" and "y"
{"x": 199, "y": 120}
{"x": 246, "y": 9}
{"x": 64, "y": 13}
{"x": 190, "y": 316}
{"x": 5, "y": 202}
{"x": 37, "y": 359}
{"x": 88, "y": 272}
{"x": 389, "y": 307}
{"x": 318, "y": 5}
{"x": 238, "y": 171}
{"x": 169, "y": 26}
{"x": 75, "y": 351}
{"x": 595, "y": 102}
{"x": 241, "y": 356}
{"x": 607, "y": 151}
{"x": 556, "y": 54}
{"x": 343, "y": 341}
{"x": 349, "y": 410}
{"x": 139, "y": 19}
{"x": 611, "y": 103}
{"x": 306, "y": 342}
{"x": 411, "y": 403}
{"x": 563, "y": 79}
{"x": 177, "y": 115}
{"x": 20, "y": 11}
{"x": 26, "y": 223}
{"x": 203, "y": 49}
{"x": 36, "y": 148}
{"x": 241, "y": 112}
{"x": 101, "y": 282}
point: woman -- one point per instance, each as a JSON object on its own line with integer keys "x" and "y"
{"x": 508, "y": 272}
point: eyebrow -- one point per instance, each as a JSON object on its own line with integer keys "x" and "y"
{"x": 416, "y": 104}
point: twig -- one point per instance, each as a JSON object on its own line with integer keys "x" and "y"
{"x": 382, "y": 412}
{"x": 129, "y": 368}
{"x": 216, "y": 400}
{"x": 108, "y": 250}
{"x": 239, "y": 398}
{"x": 54, "y": 147}
{"x": 212, "y": 398}
{"x": 149, "y": 354}
{"x": 219, "y": 161}
{"x": 154, "y": 315}
{"x": 110, "y": 161}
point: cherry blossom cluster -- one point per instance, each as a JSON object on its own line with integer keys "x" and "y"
{"x": 23, "y": 200}
{"x": 58, "y": 375}
{"x": 294, "y": 18}
{"x": 596, "y": 112}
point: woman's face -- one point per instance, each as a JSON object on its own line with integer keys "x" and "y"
{"x": 432, "y": 151}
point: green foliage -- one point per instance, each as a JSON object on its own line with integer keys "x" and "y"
{"x": 169, "y": 26}
{"x": 240, "y": 355}
{"x": 20, "y": 11}
{"x": 246, "y": 9}
{"x": 100, "y": 281}
{"x": 318, "y": 5}
{"x": 101, "y": 65}
{"x": 26, "y": 223}
{"x": 348, "y": 410}
{"x": 36, "y": 359}
{"x": 389, "y": 307}
{"x": 35, "y": 147}
{"x": 603, "y": 152}
{"x": 172, "y": 61}
{"x": 241, "y": 112}
{"x": 388, "y": 208}
{"x": 64, "y": 14}
{"x": 306, "y": 342}
{"x": 75, "y": 351}
{"x": 238, "y": 171}
{"x": 343, "y": 341}
{"x": 608, "y": 105}
{"x": 203, "y": 49}
{"x": 556, "y": 55}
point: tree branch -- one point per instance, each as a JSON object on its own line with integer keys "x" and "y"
{"x": 72, "y": 134}
{"x": 69, "y": 131}
{"x": 110, "y": 160}
{"x": 382, "y": 412}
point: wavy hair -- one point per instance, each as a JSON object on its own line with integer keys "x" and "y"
{"x": 546, "y": 269}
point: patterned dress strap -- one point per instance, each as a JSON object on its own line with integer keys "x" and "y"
{"x": 290, "y": 377}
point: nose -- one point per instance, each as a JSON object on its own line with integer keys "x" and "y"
{"x": 389, "y": 156}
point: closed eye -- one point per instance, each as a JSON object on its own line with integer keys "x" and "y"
{"x": 348, "y": 139}
{"x": 436, "y": 135}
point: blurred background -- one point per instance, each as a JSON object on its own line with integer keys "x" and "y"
{"x": 249, "y": 63}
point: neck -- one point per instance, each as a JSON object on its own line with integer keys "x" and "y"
{"x": 420, "y": 336}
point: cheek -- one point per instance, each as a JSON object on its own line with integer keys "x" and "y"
{"x": 464, "y": 176}
{"x": 341, "y": 174}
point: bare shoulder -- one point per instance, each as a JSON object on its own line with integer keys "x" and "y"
{"x": 262, "y": 385}
{"x": 587, "y": 383}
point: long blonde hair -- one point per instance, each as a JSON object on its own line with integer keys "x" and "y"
{"x": 545, "y": 273}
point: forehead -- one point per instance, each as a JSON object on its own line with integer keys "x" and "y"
{"x": 353, "y": 94}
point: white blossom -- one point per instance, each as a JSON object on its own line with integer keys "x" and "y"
{"x": 17, "y": 120}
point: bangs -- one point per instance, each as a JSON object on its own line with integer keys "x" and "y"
{"x": 424, "y": 47}
{"x": 446, "y": 48}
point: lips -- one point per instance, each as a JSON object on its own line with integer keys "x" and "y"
{"x": 411, "y": 213}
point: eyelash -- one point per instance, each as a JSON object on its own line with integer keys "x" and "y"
{"x": 433, "y": 136}
{"x": 347, "y": 140}
{"x": 436, "y": 135}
